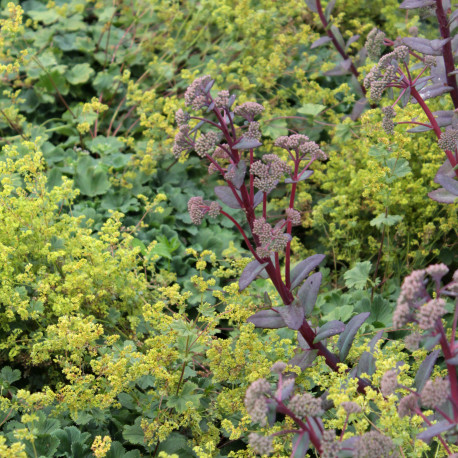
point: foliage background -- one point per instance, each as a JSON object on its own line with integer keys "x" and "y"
{"x": 121, "y": 322}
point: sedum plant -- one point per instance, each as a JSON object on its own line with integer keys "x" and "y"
{"x": 229, "y": 150}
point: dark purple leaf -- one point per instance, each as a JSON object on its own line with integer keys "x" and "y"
{"x": 312, "y": 5}
{"x": 358, "y": 108}
{"x": 251, "y": 271}
{"x": 271, "y": 412}
{"x": 293, "y": 315}
{"x": 351, "y": 40}
{"x": 240, "y": 171}
{"x": 225, "y": 194}
{"x": 285, "y": 391}
{"x": 430, "y": 342}
{"x": 302, "y": 342}
{"x": 410, "y": 4}
{"x": 443, "y": 117}
{"x": 366, "y": 364}
{"x": 267, "y": 319}
{"x": 421, "y": 82}
{"x": 337, "y": 35}
{"x": 346, "y": 338}
{"x": 405, "y": 98}
{"x": 247, "y": 143}
{"x": 443, "y": 196}
{"x": 418, "y": 129}
{"x": 308, "y": 292}
{"x": 425, "y": 369}
{"x": 435, "y": 430}
{"x": 320, "y": 42}
{"x": 301, "y": 271}
{"x": 300, "y": 444}
{"x": 329, "y": 8}
{"x": 423, "y": 45}
{"x": 446, "y": 169}
{"x": 209, "y": 86}
{"x": 303, "y": 177}
{"x": 257, "y": 198}
{"x": 434, "y": 90}
{"x": 331, "y": 328}
{"x": 304, "y": 359}
{"x": 231, "y": 100}
{"x": 453, "y": 17}
{"x": 452, "y": 361}
{"x": 338, "y": 70}
{"x": 210, "y": 107}
{"x": 448, "y": 183}
{"x": 197, "y": 127}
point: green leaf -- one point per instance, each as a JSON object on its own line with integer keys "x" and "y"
{"x": 343, "y": 131}
{"x": 386, "y": 220}
{"x": 134, "y": 433}
{"x": 79, "y": 74}
{"x": 9, "y": 376}
{"x": 90, "y": 179}
{"x": 186, "y": 394}
{"x": 379, "y": 151}
{"x": 276, "y": 128}
{"x": 358, "y": 276}
{"x": 311, "y": 109}
{"x": 399, "y": 168}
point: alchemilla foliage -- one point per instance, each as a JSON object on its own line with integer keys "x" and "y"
{"x": 228, "y": 228}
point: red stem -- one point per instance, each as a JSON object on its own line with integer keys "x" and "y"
{"x": 336, "y": 44}
{"x": 434, "y": 124}
{"x": 447, "y": 51}
{"x": 452, "y": 376}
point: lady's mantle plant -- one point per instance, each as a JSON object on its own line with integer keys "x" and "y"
{"x": 229, "y": 149}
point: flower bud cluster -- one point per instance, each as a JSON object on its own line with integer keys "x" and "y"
{"x": 256, "y": 401}
{"x": 435, "y": 392}
{"x": 206, "y": 143}
{"x": 253, "y": 130}
{"x": 302, "y": 145}
{"x": 182, "y": 141}
{"x": 376, "y": 81}
{"x": 293, "y": 216}
{"x": 430, "y": 61}
{"x": 303, "y": 405}
{"x": 374, "y": 43}
{"x": 374, "y": 444}
{"x": 351, "y": 407}
{"x": 330, "y": 447}
{"x": 268, "y": 171}
{"x": 249, "y": 110}
{"x": 408, "y": 405}
{"x": 222, "y": 99}
{"x": 182, "y": 118}
{"x": 387, "y": 122}
{"x": 448, "y": 140}
{"x": 430, "y": 312}
{"x": 389, "y": 382}
{"x": 271, "y": 239}
{"x": 262, "y": 445}
{"x": 197, "y": 93}
{"x": 198, "y": 208}
{"x": 412, "y": 291}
